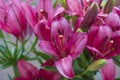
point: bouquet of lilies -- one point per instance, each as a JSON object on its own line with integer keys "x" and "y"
{"x": 70, "y": 39}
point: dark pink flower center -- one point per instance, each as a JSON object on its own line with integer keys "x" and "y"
{"x": 108, "y": 47}
{"x": 43, "y": 14}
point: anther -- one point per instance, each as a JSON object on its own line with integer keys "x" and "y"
{"x": 111, "y": 41}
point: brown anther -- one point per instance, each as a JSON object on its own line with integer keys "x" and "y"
{"x": 61, "y": 36}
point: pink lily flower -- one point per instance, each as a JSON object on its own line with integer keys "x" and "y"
{"x": 64, "y": 45}
{"x": 3, "y": 14}
{"x": 43, "y": 10}
{"x": 79, "y": 7}
{"x": 29, "y": 72}
{"x": 15, "y": 21}
{"x": 103, "y": 43}
{"x": 113, "y": 19}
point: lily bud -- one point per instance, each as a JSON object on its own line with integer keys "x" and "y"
{"x": 96, "y": 65}
{"x": 109, "y": 6}
{"x": 117, "y": 3}
{"x": 90, "y": 16}
{"x": 79, "y": 30}
{"x": 63, "y": 3}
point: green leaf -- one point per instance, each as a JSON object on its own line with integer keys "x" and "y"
{"x": 117, "y": 61}
{"x": 55, "y": 3}
{"x": 5, "y": 52}
{"x": 10, "y": 77}
{"x": 1, "y": 36}
{"x": 42, "y": 55}
{"x": 11, "y": 43}
{"x": 5, "y": 65}
{"x": 2, "y": 59}
{"x": 19, "y": 54}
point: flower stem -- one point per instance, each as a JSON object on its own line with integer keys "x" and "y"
{"x": 4, "y": 40}
{"x": 15, "y": 69}
{"x": 33, "y": 45}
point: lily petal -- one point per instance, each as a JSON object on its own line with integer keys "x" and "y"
{"x": 59, "y": 11}
{"x": 91, "y": 35}
{"x": 26, "y": 69}
{"x": 49, "y": 75}
{"x": 77, "y": 44}
{"x": 64, "y": 66}
{"x": 113, "y": 20}
{"x": 19, "y": 78}
{"x": 60, "y": 27}
{"x": 116, "y": 45}
{"x": 47, "y": 6}
{"x": 14, "y": 24}
{"x": 75, "y": 6}
{"x": 95, "y": 53}
{"x": 30, "y": 14}
{"x": 77, "y": 23}
{"x": 42, "y": 30}
{"x": 108, "y": 72}
{"x": 47, "y": 47}
{"x": 99, "y": 39}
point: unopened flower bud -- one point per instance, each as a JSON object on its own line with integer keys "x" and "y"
{"x": 96, "y": 65}
{"x": 90, "y": 16}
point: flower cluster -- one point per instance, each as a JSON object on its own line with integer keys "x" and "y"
{"x": 68, "y": 31}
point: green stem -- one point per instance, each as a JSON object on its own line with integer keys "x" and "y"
{"x": 15, "y": 69}
{"x": 80, "y": 75}
{"x": 33, "y": 46}
{"x": 84, "y": 72}
{"x": 4, "y": 40}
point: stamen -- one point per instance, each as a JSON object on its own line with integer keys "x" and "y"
{"x": 41, "y": 10}
{"x": 87, "y": 0}
{"x": 111, "y": 41}
{"x": 61, "y": 36}
{"x": 43, "y": 13}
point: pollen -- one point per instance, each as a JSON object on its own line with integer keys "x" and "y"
{"x": 41, "y": 10}
{"x": 87, "y": 0}
{"x": 60, "y": 36}
{"x": 112, "y": 41}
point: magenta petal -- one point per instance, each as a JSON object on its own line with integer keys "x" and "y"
{"x": 77, "y": 23}
{"x": 47, "y": 6}
{"x": 26, "y": 69}
{"x": 95, "y": 53}
{"x": 108, "y": 72}
{"x": 116, "y": 45}
{"x": 99, "y": 38}
{"x": 64, "y": 66}
{"x": 42, "y": 30}
{"x": 49, "y": 75}
{"x": 113, "y": 20}
{"x": 30, "y": 14}
{"x": 116, "y": 10}
{"x": 14, "y": 23}
{"x": 60, "y": 27}
{"x": 47, "y": 47}
{"x": 92, "y": 34}
{"x": 74, "y": 6}
{"x": 19, "y": 78}
{"x": 58, "y": 11}
{"x": 77, "y": 44}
